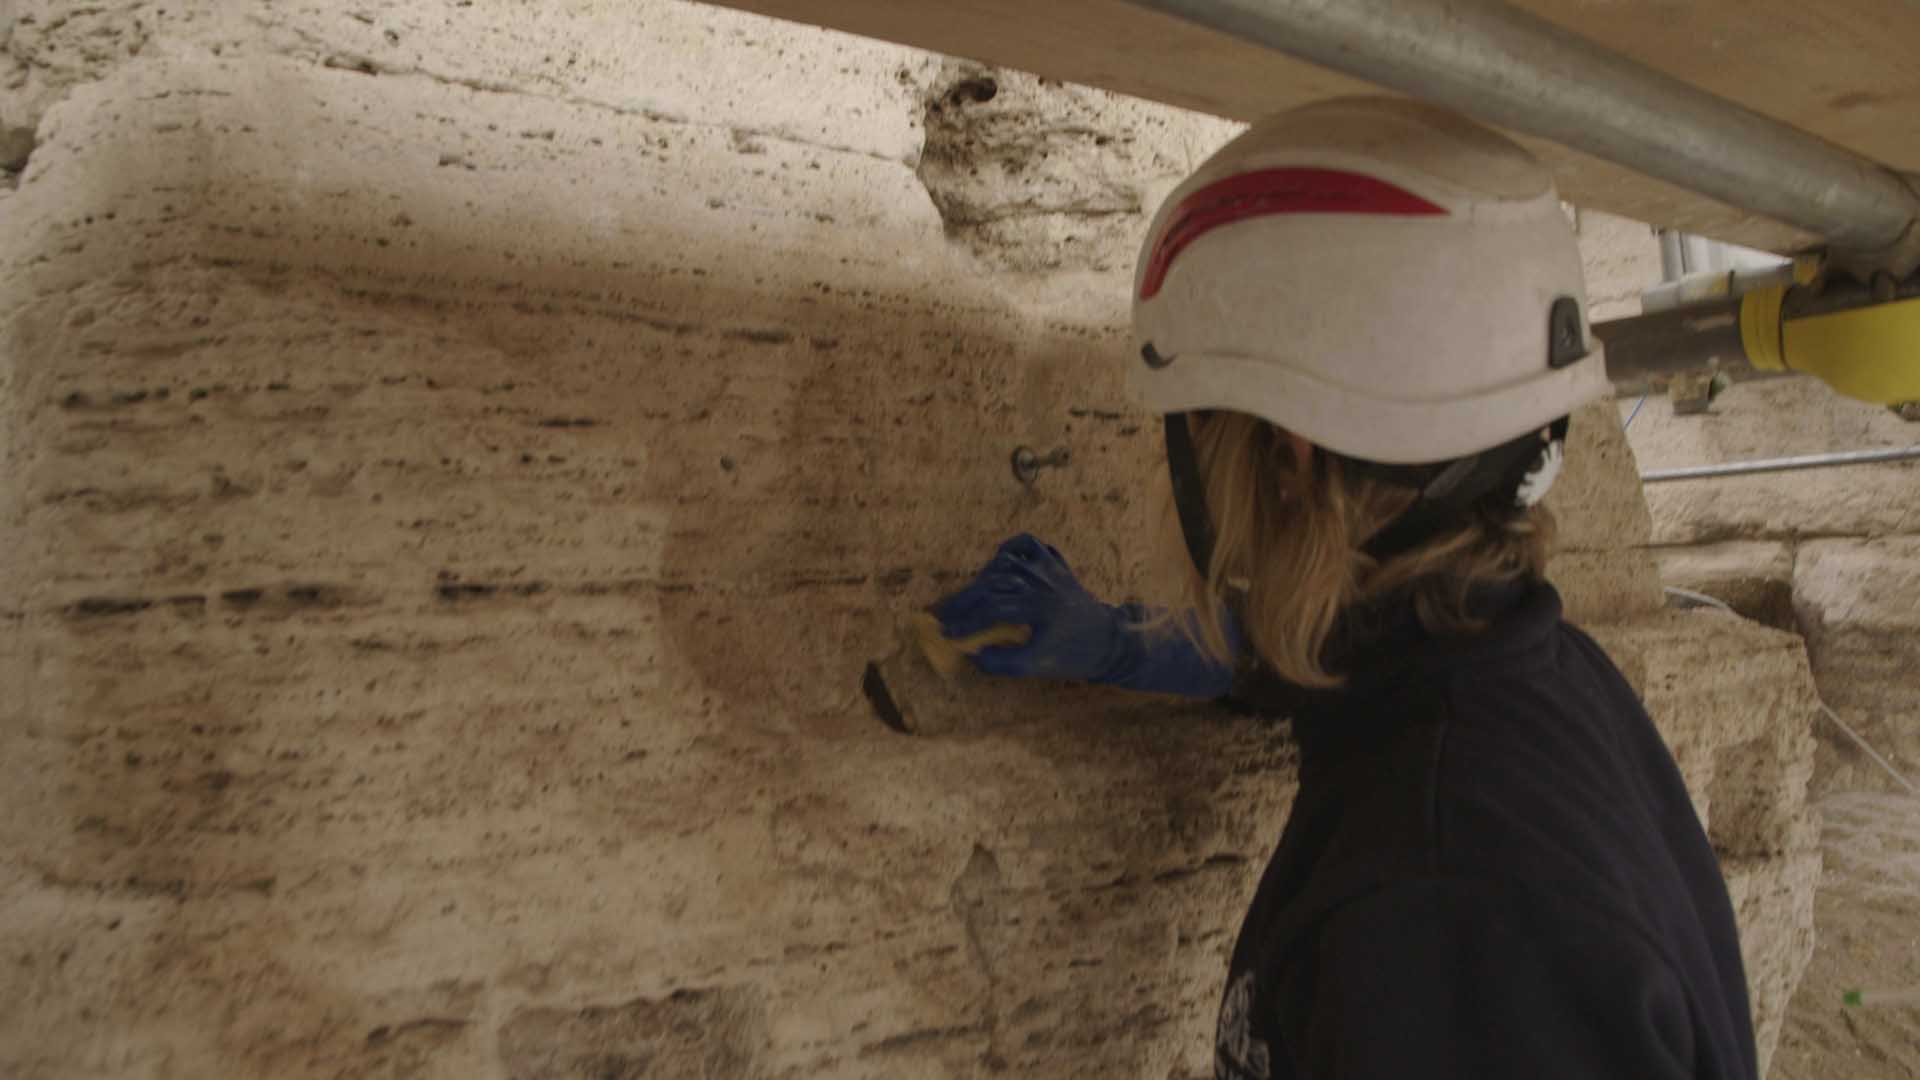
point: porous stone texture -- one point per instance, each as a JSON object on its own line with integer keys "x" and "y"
{"x": 1768, "y": 419}
{"x": 1621, "y": 257}
{"x": 1755, "y": 577}
{"x": 460, "y": 462}
{"x": 1601, "y": 565}
{"x": 1859, "y": 604}
{"x": 1034, "y": 175}
{"x": 1868, "y": 939}
{"x": 442, "y": 593}
{"x": 1847, "y": 534}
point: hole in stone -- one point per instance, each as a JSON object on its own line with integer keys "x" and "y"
{"x": 978, "y": 90}
{"x": 874, "y": 686}
{"x": 16, "y": 147}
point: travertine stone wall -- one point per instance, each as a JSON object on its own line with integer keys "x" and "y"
{"x": 460, "y": 462}
{"x": 1839, "y": 544}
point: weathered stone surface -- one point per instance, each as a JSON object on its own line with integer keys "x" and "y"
{"x": 706, "y": 1032}
{"x": 437, "y": 576}
{"x": 1600, "y": 566}
{"x": 459, "y": 465}
{"x": 1032, "y": 175}
{"x": 1859, "y": 604}
{"x": 1868, "y": 939}
{"x": 1768, "y": 419}
{"x": 1605, "y": 586}
{"x": 1622, "y": 260}
{"x": 1755, "y": 577}
{"x": 1776, "y": 896}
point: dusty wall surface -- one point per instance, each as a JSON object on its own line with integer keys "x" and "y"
{"x": 1837, "y": 545}
{"x": 1864, "y": 910}
{"x": 459, "y": 464}
{"x": 1778, "y": 418}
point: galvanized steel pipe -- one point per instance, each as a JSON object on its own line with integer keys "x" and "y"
{"x": 1516, "y": 70}
{"x": 1708, "y": 336}
{"x": 1785, "y": 464}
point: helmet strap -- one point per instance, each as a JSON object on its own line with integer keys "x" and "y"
{"x": 1449, "y": 490}
{"x": 1189, "y": 492}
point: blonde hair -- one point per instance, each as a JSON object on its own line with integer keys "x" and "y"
{"x": 1287, "y": 542}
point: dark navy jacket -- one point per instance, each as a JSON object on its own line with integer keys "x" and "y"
{"x": 1492, "y": 870}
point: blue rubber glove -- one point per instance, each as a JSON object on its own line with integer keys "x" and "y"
{"x": 1075, "y": 635}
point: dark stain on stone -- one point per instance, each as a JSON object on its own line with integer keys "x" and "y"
{"x": 93, "y": 607}
{"x": 874, "y": 686}
{"x": 918, "y": 1036}
{"x": 712, "y": 1031}
{"x": 1856, "y": 99}
{"x": 316, "y": 595}
{"x": 977, "y": 91}
{"x": 1221, "y": 861}
{"x": 345, "y": 62}
{"x": 17, "y": 143}
{"x": 761, "y": 336}
{"x": 453, "y": 592}
{"x": 388, "y": 1032}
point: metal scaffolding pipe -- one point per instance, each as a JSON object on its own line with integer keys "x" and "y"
{"x": 1663, "y": 343}
{"x": 1785, "y": 464}
{"x": 1513, "y": 69}
{"x": 1707, "y": 336}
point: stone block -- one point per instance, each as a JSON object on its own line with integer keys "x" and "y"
{"x": 1859, "y": 604}
{"x": 1864, "y": 922}
{"x": 1754, "y": 577}
{"x": 1773, "y": 899}
{"x": 461, "y": 461}
{"x": 1597, "y": 497}
{"x": 1769, "y": 419}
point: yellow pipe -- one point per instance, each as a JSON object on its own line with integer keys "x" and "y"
{"x": 1870, "y": 353}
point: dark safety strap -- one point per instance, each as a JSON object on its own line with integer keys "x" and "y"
{"x": 1450, "y": 489}
{"x": 1189, "y": 492}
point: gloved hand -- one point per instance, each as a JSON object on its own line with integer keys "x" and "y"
{"x": 1075, "y": 635}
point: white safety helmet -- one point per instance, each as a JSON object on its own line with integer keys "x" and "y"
{"x": 1392, "y": 281}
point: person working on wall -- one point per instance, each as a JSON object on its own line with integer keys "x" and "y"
{"x": 1364, "y": 323}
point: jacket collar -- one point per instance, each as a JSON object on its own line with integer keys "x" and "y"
{"x": 1383, "y": 651}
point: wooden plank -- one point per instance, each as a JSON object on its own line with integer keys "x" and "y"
{"x": 1843, "y": 69}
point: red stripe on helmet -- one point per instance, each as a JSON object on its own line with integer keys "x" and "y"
{"x": 1274, "y": 191}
